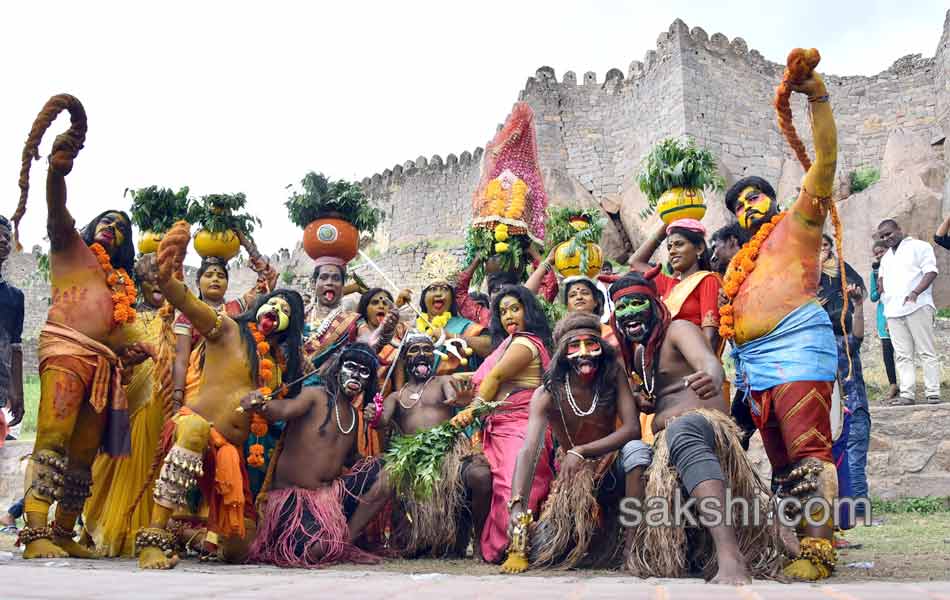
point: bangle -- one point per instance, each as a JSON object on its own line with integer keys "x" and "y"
{"x": 577, "y": 454}
{"x": 820, "y": 98}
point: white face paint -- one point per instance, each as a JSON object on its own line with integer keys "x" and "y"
{"x": 353, "y": 377}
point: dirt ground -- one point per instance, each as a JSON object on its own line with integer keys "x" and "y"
{"x": 903, "y": 547}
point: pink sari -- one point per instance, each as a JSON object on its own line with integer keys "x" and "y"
{"x": 502, "y": 438}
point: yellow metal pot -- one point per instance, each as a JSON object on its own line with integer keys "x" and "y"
{"x": 224, "y": 245}
{"x": 149, "y": 242}
{"x": 681, "y": 203}
{"x": 569, "y": 265}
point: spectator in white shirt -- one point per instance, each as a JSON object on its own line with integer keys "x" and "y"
{"x": 907, "y": 273}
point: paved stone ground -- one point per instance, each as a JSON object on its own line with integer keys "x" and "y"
{"x": 78, "y": 580}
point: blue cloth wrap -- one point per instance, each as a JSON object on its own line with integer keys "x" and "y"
{"x": 800, "y": 348}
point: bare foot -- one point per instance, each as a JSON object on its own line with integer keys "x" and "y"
{"x": 731, "y": 572}
{"x": 154, "y": 558}
{"x": 75, "y": 549}
{"x": 43, "y": 548}
{"x": 803, "y": 569}
{"x": 515, "y": 563}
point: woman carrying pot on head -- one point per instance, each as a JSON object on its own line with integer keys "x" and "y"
{"x": 692, "y": 291}
{"x": 521, "y": 336}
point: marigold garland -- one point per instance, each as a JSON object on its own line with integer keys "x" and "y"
{"x": 740, "y": 266}
{"x": 428, "y": 325}
{"x": 121, "y": 285}
{"x": 265, "y": 374}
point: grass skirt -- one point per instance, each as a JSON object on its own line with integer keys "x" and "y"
{"x": 671, "y": 551}
{"x": 571, "y": 518}
{"x": 431, "y": 526}
{"x": 305, "y": 529}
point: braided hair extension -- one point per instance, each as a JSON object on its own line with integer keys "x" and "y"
{"x": 800, "y": 65}
{"x": 74, "y": 136}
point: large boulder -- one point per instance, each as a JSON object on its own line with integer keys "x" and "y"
{"x": 910, "y": 191}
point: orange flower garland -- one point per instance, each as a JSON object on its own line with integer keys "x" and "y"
{"x": 741, "y": 265}
{"x": 265, "y": 374}
{"x": 122, "y": 286}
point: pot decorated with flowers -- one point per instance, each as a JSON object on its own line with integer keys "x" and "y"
{"x": 221, "y": 225}
{"x": 575, "y": 234}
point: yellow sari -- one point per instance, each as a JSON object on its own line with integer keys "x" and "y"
{"x": 117, "y": 481}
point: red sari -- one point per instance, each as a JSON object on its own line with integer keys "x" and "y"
{"x": 503, "y": 436}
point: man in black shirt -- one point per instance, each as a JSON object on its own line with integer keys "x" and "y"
{"x": 11, "y": 329}
{"x": 942, "y": 237}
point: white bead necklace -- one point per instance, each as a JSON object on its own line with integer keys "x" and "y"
{"x": 339, "y": 424}
{"x": 573, "y": 402}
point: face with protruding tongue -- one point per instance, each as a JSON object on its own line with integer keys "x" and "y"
{"x": 329, "y": 286}
{"x": 353, "y": 378}
{"x": 511, "y": 314}
{"x": 420, "y": 359}
{"x": 274, "y": 316}
{"x": 583, "y": 352}
{"x": 438, "y": 298}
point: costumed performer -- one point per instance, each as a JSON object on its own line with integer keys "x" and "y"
{"x": 697, "y": 450}
{"x": 82, "y": 347}
{"x": 441, "y": 313}
{"x": 785, "y": 355}
{"x": 438, "y": 525}
{"x": 521, "y": 335}
{"x": 203, "y": 442}
{"x": 373, "y": 307}
{"x": 317, "y": 507}
{"x": 11, "y": 347}
{"x": 106, "y": 519}
{"x": 584, "y": 394}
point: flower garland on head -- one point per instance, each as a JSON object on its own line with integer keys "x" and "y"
{"x": 122, "y": 286}
{"x": 265, "y": 374}
{"x": 428, "y": 325}
{"x": 741, "y": 265}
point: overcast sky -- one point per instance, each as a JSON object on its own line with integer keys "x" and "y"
{"x": 247, "y": 97}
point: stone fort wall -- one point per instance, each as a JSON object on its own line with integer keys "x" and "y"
{"x": 594, "y": 133}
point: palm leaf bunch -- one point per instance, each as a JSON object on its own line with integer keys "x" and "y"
{"x": 673, "y": 163}
{"x": 217, "y": 213}
{"x": 321, "y": 197}
{"x": 156, "y": 209}
{"x": 414, "y": 462}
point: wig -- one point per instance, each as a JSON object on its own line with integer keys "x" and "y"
{"x": 661, "y": 317}
{"x": 696, "y": 239}
{"x": 534, "y": 320}
{"x": 359, "y": 353}
{"x": 287, "y": 341}
{"x": 560, "y": 366}
{"x": 125, "y": 256}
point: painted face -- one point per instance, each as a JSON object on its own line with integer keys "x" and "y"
{"x": 890, "y": 235}
{"x": 108, "y": 232}
{"x": 634, "y": 316}
{"x": 274, "y": 316}
{"x": 511, "y": 313}
{"x": 353, "y": 378}
{"x": 148, "y": 281}
{"x": 329, "y": 286}
{"x": 581, "y": 299}
{"x": 722, "y": 252}
{"x": 583, "y": 352}
{"x": 438, "y": 299}
{"x": 377, "y": 308}
{"x": 213, "y": 283}
{"x": 683, "y": 253}
{"x": 420, "y": 359}
{"x": 753, "y": 208}
{"x": 825, "y": 249}
{"x": 6, "y": 242}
